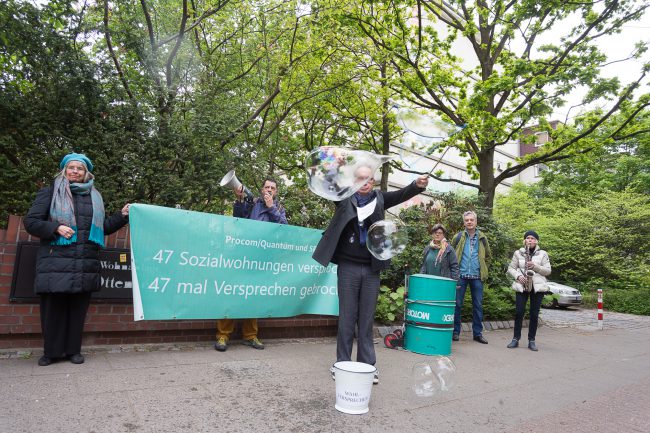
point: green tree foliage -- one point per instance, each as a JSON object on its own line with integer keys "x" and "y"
{"x": 592, "y": 214}
{"x": 165, "y": 97}
{"x": 614, "y": 165}
{"x": 305, "y": 209}
{"x": 50, "y": 99}
{"x": 509, "y": 76}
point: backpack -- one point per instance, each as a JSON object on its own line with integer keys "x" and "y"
{"x": 454, "y": 242}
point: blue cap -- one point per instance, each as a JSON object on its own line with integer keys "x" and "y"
{"x": 76, "y": 157}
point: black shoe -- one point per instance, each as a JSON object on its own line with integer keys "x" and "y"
{"x": 532, "y": 346}
{"x": 480, "y": 339}
{"x": 455, "y": 337}
{"x": 44, "y": 361}
{"x": 514, "y": 343}
{"x": 77, "y": 358}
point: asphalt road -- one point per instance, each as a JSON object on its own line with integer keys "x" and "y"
{"x": 581, "y": 380}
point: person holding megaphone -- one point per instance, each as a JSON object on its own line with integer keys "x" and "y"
{"x": 263, "y": 208}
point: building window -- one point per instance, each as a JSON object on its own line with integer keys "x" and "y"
{"x": 541, "y": 138}
{"x": 539, "y": 169}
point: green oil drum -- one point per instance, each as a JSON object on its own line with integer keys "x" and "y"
{"x": 430, "y": 313}
{"x": 427, "y": 340}
{"x": 424, "y": 287}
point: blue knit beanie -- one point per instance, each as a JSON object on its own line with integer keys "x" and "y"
{"x": 532, "y": 233}
{"x": 76, "y": 157}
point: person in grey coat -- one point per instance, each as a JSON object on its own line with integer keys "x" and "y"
{"x": 439, "y": 258}
{"x": 68, "y": 217}
{"x": 344, "y": 243}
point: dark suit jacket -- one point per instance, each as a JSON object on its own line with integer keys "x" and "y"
{"x": 346, "y": 211}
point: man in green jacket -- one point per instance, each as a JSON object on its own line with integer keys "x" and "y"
{"x": 473, "y": 252}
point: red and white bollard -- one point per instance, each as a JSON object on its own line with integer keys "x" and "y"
{"x": 600, "y": 309}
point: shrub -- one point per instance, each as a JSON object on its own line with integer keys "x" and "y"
{"x": 498, "y": 304}
{"x": 390, "y": 305}
{"x": 636, "y": 301}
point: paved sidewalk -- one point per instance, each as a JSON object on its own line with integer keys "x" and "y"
{"x": 580, "y": 381}
{"x": 585, "y": 318}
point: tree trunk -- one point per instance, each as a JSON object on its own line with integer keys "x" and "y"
{"x": 487, "y": 188}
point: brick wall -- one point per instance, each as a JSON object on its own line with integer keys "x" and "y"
{"x": 108, "y": 323}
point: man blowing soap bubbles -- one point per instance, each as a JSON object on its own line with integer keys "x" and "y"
{"x": 344, "y": 243}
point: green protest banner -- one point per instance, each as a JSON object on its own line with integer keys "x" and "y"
{"x": 193, "y": 265}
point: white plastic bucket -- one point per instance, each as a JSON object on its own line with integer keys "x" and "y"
{"x": 353, "y": 386}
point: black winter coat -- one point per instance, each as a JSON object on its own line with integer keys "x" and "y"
{"x": 346, "y": 211}
{"x": 67, "y": 268}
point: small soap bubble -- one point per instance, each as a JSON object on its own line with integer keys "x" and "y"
{"x": 333, "y": 172}
{"x": 387, "y": 238}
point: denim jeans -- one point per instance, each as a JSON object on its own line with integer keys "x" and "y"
{"x": 476, "y": 290}
{"x": 535, "y": 303}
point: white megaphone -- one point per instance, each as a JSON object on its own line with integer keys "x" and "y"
{"x": 231, "y": 181}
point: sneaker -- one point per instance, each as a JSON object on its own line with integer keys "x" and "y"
{"x": 514, "y": 343}
{"x": 532, "y": 346}
{"x": 375, "y": 379}
{"x": 44, "y": 361}
{"x": 333, "y": 373}
{"x": 77, "y": 358}
{"x": 221, "y": 345}
{"x": 254, "y": 342}
{"x": 455, "y": 337}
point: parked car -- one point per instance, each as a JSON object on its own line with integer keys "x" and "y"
{"x": 562, "y": 296}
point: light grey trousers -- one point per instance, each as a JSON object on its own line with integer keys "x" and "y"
{"x": 358, "y": 288}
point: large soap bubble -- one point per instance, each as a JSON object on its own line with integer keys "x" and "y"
{"x": 437, "y": 375}
{"x": 333, "y": 171}
{"x": 425, "y": 125}
{"x": 387, "y": 238}
{"x": 445, "y": 371}
{"x": 424, "y": 381}
{"x": 423, "y": 134}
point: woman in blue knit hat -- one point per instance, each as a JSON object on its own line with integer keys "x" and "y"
{"x": 68, "y": 217}
{"x": 529, "y": 267}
